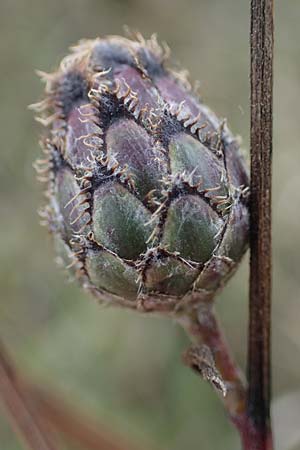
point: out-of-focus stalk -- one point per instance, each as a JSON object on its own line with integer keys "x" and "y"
{"x": 24, "y": 418}
{"x": 38, "y": 416}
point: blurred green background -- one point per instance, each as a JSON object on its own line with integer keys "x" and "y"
{"x": 125, "y": 368}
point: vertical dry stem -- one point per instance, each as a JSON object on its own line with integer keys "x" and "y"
{"x": 203, "y": 328}
{"x": 249, "y": 409}
{"x": 261, "y": 41}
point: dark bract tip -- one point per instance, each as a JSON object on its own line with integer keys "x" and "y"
{"x": 73, "y": 88}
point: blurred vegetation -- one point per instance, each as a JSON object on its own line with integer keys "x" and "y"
{"x": 122, "y": 367}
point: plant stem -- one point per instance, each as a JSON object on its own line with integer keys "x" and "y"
{"x": 249, "y": 409}
{"x": 259, "y": 391}
{"x": 78, "y": 428}
{"x": 24, "y": 419}
{"x": 38, "y": 415}
{"x": 203, "y": 328}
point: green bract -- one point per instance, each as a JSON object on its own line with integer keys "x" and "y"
{"x": 146, "y": 186}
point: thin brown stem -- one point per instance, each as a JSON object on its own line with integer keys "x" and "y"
{"x": 259, "y": 391}
{"x": 24, "y": 419}
{"x": 77, "y": 427}
{"x": 203, "y": 329}
{"x": 34, "y": 412}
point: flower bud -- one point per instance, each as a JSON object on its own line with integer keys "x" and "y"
{"x": 147, "y": 188}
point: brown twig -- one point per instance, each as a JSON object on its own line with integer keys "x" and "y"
{"x": 77, "y": 427}
{"x": 261, "y": 41}
{"x": 249, "y": 409}
{"x": 34, "y": 412}
{"x": 203, "y": 328}
{"x": 24, "y": 419}
{"x": 220, "y": 370}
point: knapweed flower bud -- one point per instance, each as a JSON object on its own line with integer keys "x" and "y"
{"x": 146, "y": 186}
